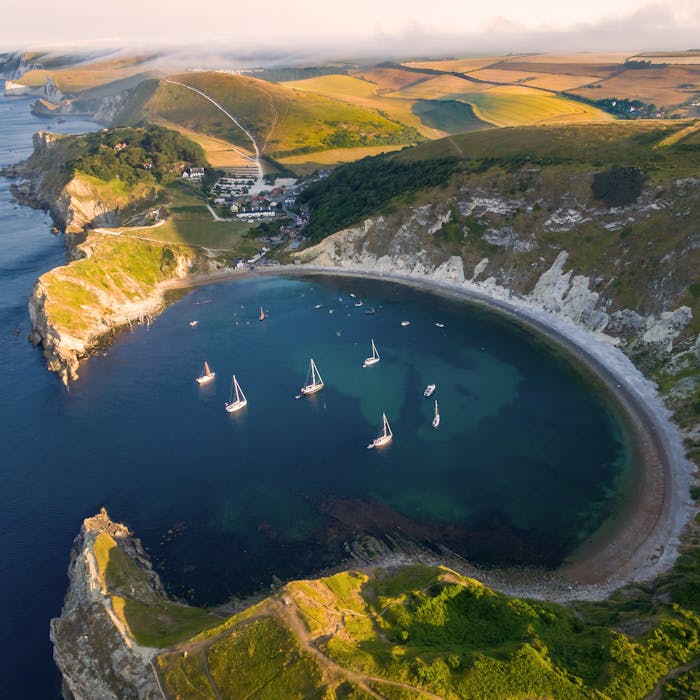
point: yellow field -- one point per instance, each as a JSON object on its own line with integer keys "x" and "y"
{"x": 219, "y": 153}
{"x": 460, "y": 65}
{"x": 361, "y": 93}
{"x": 545, "y": 81}
{"x": 308, "y": 162}
{"x": 664, "y": 86}
{"x": 334, "y": 85}
{"x": 593, "y": 57}
{"x": 679, "y": 58}
{"x": 519, "y": 106}
{"x": 389, "y": 79}
{"x": 439, "y": 87}
{"x": 77, "y": 79}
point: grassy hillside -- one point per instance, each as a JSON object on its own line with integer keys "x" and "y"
{"x": 412, "y": 632}
{"x": 285, "y": 121}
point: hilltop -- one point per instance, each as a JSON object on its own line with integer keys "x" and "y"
{"x": 419, "y": 631}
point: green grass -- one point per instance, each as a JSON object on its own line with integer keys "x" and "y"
{"x": 284, "y": 121}
{"x": 189, "y": 222}
{"x": 263, "y": 659}
{"x": 452, "y": 116}
{"x": 518, "y": 106}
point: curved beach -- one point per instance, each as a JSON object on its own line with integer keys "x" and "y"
{"x": 642, "y": 539}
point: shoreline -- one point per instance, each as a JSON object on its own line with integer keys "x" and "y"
{"x": 642, "y": 539}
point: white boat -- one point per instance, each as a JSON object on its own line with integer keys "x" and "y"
{"x": 236, "y": 399}
{"x": 316, "y": 383}
{"x": 262, "y": 316}
{"x": 436, "y": 419}
{"x": 318, "y": 306}
{"x": 358, "y": 304}
{"x": 405, "y": 323}
{"x": 385, "y": 438}
{"x": 429, "y": 390}
{"x": 206, "y": 376}
{"x": 440, "y": 325}
{"x": 193, "y": 323}
{"x": 353, "y": 295}
{"x": 375, "y": 356}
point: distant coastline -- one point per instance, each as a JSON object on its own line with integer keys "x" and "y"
{"x": 642, "y": 539}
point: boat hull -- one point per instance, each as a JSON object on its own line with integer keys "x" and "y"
{"x": 236, "y": 406}
{"x": 311, "y": 389}
{"x": 436, "y": 421}
{"x": 369, "y": 361}
{"x": 382, "y": 441}
{"x": 429, "y": 390}
{"x": 207, "y": 378}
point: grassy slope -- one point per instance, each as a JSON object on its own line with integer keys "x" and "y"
{"x": 189, "y": 222}
{"x": 284, "y": 121}
{"x": 411, "y": 630}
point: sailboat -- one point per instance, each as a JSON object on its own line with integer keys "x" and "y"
{"x": 316, "y": 383}
{"x": 385, "y": 438}
{"x": 206, "y": 376}
{"x": 236, "y": 399}
{"x": 436, "y": 420}
{"x": 262, "y": 314}
{"x": 375, "y": 356}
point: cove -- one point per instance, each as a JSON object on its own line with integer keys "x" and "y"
{"x": 531, "y": 456}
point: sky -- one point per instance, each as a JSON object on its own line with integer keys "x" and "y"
{"x": 382, "y": 27}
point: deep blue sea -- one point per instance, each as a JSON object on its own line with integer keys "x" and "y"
{"x": 528, "y": 460}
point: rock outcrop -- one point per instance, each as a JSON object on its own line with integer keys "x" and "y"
{"x": 93, "y": 648}
{"x": 73, "y": 312}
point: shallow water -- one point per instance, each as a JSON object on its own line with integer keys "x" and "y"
{"x": 527, "y": 461}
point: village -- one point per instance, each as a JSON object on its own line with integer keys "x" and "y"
{"x": 240, "y": 194}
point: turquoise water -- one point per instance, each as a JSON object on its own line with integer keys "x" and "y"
{"x": 525, "y": 464}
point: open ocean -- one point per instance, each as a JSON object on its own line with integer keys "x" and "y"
{"x": 529, "y": 459}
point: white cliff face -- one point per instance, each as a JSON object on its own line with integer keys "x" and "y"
{"x": 557, "y": 290}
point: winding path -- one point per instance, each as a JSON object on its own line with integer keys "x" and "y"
{"x": 258, "y": 165}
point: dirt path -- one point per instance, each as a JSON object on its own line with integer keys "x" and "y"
{"x": 657, "y": 693}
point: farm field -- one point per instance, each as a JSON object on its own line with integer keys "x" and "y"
{"x": 439, "y": 87}
{"x": 361, "y": 93}
{"x": 389, "y": 79}
{"x": 519, "y": 106}
{"x": 461, "y": 65}
{"x": 545, "y": 81}
{"x": 305, "y": 164}
{"x": 664, "y": 86}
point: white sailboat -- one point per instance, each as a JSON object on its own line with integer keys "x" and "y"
{"x": 375, "y": 356}
{"x": 385, "y": 438}
{"x": 436, "y": 420}
{"x": 236, "y": 399}
{"x": 429, "y": 390}
{"x": 316, "y": 383}
{"x": 263, "y": 315}
{"x": 206, "y": 376}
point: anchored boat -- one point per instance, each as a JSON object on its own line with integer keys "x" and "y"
{"x": 436, "y": 419}
{"x": 385, "y": 438}
{"x": 262, "y": 314}
{"x": 429, "y": 390}
{"x": 375, "y": 356}
{"x": 236, "y": 399}
{"x": 315, "y": 384}
{"x": 206, "y": 376}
